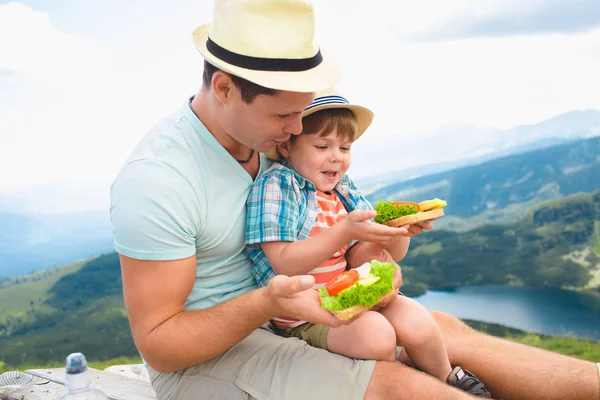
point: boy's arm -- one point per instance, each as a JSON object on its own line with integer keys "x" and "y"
{"x": 363, "y": 252}
{"x": 302, "y": 256}
{"x": 272, "y": 221}
{"x": 373, "y": 251}
{"x": 398, "y": 250}
{"x": 273, "y": 218}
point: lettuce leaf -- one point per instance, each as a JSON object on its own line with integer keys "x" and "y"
{"x": 387, "y": 211}
{"x": 359, "y": 294}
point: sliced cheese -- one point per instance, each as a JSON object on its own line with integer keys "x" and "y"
{"x": 368, "y": 281}
{"x": 428, "y": 205}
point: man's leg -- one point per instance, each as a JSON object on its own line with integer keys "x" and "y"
{"x": 265, "y": 366}
{"x": 396, "y": 381}
{"x": 515, "y": 371}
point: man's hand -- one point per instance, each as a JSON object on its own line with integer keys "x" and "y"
{"x": 358, "y": 226}
{"x": 294, "y": 297}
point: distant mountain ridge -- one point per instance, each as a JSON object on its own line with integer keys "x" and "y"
{"x": 528, "y": 178}
{"x": 34, "y": 235}
{"x": 33, "y": 242}
{"x": 372, "y": 183}
{"x": 463, "y": 144}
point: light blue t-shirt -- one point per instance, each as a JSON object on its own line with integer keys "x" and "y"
{"x": 181, "y": 193}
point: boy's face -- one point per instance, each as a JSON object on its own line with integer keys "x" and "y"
{"x": 323, "y": 160}
{"x": 267, "y": 121}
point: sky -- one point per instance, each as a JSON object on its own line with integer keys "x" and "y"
{"x": 81, "y": 81}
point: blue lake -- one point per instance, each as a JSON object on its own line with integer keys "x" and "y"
{"x": 549, "y": 311}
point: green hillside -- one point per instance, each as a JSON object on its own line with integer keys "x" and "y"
{"x": 555, "y": 245}
{"x": 78, "y": 307}
{"x": 580, "y": 348}
{"x": 488, "y": 190}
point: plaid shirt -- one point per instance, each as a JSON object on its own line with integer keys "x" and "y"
{"x": 282, "y": 207}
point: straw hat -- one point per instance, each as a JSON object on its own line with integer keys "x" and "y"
{"x": 268, "y": 42}
{"x": 330, "y": 98}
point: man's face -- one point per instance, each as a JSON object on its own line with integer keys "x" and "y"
{"x": 268, "y": 120}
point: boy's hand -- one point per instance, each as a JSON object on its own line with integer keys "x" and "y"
{"x": 358, "y": 226}
{"x": 415, "y": 229}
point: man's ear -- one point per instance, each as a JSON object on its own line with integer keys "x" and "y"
{"x": 223, "y": 87}
{"x": 284, "y": 149}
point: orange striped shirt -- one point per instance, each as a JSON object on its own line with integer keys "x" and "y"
{"x": 331, "y": 211}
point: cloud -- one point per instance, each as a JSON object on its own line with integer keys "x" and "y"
{"x": 78, "y": 89}
{"x": 519, "y": 17}
{"x": 73, "y": 110}
{"x": 498, "y": 82}
{"x": 51, "y": 100}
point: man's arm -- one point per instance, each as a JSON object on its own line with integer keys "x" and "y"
{"x": 170, "y": 338}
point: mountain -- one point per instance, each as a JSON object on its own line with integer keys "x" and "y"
{"x": 556, "y": 245}
{"x": 36, "y": 241}
{"x": 49, "y": 314}
{"x": 461, "y": 144}
{"x": 372, "y": 183}
{"x": 79, "y": 306}
{"x": 517, "y": 182}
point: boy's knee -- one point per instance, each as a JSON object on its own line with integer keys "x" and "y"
{"x": 381, "y": 337}
{"x": 418, "y": 333}
{"x": 417, "y": 326}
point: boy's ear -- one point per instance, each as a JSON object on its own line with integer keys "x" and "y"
{"x": 284, "y": 149}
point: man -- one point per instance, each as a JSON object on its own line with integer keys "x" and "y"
{"x": 177, "y": 209}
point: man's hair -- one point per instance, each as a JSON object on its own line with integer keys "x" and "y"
{"x": 248, "y": 90}
{"x": 325, "y": 121}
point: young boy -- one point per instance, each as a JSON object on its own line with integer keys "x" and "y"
{"x": 304, "y": 213}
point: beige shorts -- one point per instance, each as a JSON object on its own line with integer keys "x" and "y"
{"x": 265, "y": 366}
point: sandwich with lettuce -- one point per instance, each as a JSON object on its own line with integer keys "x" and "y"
{"x": 399, "y": 213}
{"x": 357, "y": 290}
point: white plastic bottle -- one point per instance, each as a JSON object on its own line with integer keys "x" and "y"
{"x": 78, "y": 381}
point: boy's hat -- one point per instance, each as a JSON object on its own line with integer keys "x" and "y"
{"x": 330, "y": 98}
{"x": 268, "y": 42}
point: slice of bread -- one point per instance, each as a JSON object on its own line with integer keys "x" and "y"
{"x": 414, "y": 218}
{"x": 350, "y": 312}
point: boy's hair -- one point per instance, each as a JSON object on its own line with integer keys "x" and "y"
{"x": 325, "y": 121}
{"x": 248, "y": 90}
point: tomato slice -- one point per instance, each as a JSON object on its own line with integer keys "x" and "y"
{"x": 341, "y": 282}
{"x": 399, "y": 203}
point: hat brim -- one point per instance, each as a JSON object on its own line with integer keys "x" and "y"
{"x": 363, "y": 115}
{"x": 364, "y": 118}
{"x": 325, "y": 75}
